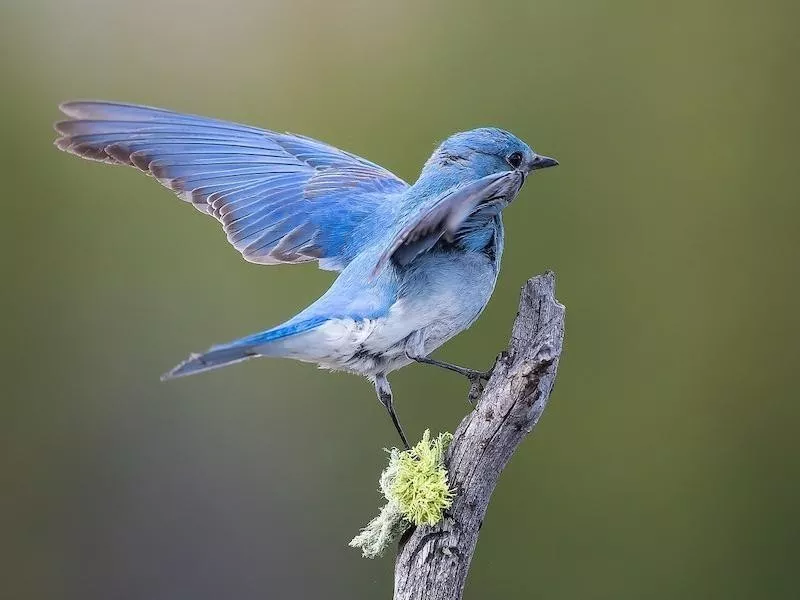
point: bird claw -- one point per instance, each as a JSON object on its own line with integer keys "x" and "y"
{"x": 477, "y": 383}
{"x": 476, "y": 378}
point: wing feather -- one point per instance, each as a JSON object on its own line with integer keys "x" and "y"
{"x": 274, "y": 194}
{"x": 444, "y": 216}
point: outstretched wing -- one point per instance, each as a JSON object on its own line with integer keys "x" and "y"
{"x": 281, "y": 198}
{"x": 448, "y": 216}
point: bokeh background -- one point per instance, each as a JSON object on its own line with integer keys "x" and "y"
{"x": 667, "y": 463}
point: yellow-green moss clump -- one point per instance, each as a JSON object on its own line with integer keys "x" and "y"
{"x": 416, "y": 491}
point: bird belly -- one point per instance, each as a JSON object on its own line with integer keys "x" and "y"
{"x": 437, "y": 301}
{"x": 381, "y": 345}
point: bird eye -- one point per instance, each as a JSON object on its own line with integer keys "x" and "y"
{"x": 515, "y": 159}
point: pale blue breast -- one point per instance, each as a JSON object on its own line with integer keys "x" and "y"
{"x": 439, "y": 297}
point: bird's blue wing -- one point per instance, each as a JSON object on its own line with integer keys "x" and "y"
{"x": 281, "y": 198}
{"x": 449, "y": 216}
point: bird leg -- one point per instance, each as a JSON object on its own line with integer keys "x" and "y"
{"x": 476, "y": 378}
{"x": 385, "y": 397}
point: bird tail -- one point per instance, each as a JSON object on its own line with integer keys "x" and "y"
{"x": 216, "y": 357}
{"x": 239, "y": 350}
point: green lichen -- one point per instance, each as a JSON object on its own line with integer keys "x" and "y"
{"x": 416, "y": 491}
{"x": 420, "y": 483}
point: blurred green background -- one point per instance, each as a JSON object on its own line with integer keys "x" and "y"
{"x": 667, "y": 462}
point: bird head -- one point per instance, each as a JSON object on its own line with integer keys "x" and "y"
{"x": 470, "y": 155}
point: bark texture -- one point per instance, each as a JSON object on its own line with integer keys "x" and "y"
{"x": 432, "y": 562}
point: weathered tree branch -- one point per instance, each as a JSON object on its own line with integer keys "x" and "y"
{"x": 432, "y": 562}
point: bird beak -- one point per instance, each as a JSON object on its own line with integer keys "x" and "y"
{"x": 542, "y": 162}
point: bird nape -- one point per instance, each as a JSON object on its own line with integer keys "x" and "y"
{"x": 417, "y": 263}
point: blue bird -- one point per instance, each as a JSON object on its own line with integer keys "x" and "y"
{"x": 418, "y": 263}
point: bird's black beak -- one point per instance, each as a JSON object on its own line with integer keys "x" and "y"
{"x": 542, "y": 162}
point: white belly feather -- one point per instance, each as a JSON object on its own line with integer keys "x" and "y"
{"x": 419, "y": 324}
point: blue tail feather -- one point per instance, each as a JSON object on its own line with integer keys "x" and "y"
{"x": 239, "y": 350}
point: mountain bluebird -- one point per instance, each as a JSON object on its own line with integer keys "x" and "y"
{"x": 417, "y": 263}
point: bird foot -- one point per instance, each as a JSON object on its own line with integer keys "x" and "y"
{"x": 476, "y": 378}
{"x": 477, "y": 383}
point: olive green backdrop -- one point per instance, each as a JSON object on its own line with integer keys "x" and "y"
{"x": 667, "y": 463}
